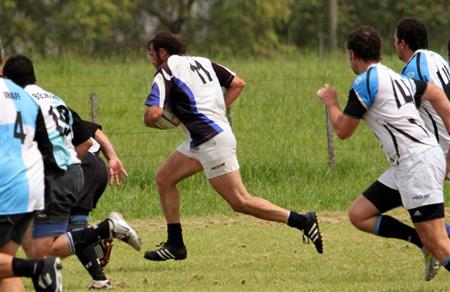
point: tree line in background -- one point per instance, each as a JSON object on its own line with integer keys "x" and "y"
{"x": 227, "y": 27}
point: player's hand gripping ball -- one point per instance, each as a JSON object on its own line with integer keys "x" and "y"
{"x": 168, "y": 120}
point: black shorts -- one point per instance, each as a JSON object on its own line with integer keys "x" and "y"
{"x": 95, "y": 182}
{"x": 62, "y": 192}
{"x": 385, "y": 199}
{"x": 13, "y": 227}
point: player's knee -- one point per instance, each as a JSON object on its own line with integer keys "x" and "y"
{"x": 241, "y": 206}
{"x": 161, "y": 180}
{"x": 39, "y": 252}
{"x": 355, "y": 217}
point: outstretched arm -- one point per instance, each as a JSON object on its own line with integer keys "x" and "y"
{"x": 117, "y": 172}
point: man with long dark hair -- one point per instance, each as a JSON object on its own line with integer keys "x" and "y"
{"x": 192, "y": 88}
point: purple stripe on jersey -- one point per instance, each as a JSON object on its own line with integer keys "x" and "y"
{"x": 196, "y": 138}
{"x": 154, "y": 96}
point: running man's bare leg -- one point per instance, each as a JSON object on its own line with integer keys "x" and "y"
{"x": 13, "y": 283}
{"x": 433, "y": 235}
{"x": 232, "y": 189}
{"x": 363, "y": 214}
{"x": 176, "y": 168}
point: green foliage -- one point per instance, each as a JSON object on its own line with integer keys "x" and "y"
{"x": 232, "y": 32}
{"x": 227, "y": 27}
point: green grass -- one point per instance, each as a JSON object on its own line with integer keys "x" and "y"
{"x": 240, "y": 253}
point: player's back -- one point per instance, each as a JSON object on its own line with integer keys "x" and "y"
{"x": 392, "y": 115}
{"x": 200, "y": 103}
{"x": 196, "y": 76}
{"x": 21, "y": 166}
{"x": 58, "y": 121}
{"x": 429, "y": 66}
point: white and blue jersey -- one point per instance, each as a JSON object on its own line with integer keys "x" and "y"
{"x": 191, "y": 88}
{"x": 386, "y": 101}
{"x": 58, "y": 121}
{"x": 21, "y": 165}
{"x": 428, "y": 66}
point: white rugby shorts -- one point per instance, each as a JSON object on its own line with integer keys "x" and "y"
{"x": 217, "y": 155}
{"x": 419, "y": 180}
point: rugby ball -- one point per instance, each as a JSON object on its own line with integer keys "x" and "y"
{"x": 168, "y": 120}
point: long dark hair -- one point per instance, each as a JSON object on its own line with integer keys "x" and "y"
{"x": 168, "y": 41}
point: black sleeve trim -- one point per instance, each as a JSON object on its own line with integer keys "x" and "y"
{"x": 81, "y": 132}
{"x": 41, "y": 136}
{"x": 354, "y": 108}
{"x": 421, "y": 87}
{"x": 225, "y": 77}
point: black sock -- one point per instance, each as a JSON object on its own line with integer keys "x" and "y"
{"x": 80, "y": 239}
{"x": 175, "y": 235}
{"x": 296, "y": 220}
{"x": 26, "y": 268}
{"x": 91, "y": 263}
{"x": 392, "y": 228}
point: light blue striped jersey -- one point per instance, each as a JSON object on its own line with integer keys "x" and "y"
{"x": 391, "y": 114}
{"x": 21, "y": 166}
{"x": 429, "y": 66}
{"x": 58, "y": 121}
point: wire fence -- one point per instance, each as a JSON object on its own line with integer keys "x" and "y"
{"x": 110, "y": 107}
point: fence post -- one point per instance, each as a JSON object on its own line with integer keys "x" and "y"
{"x": 330, "y": 142}
{"x": 94, "y": 107}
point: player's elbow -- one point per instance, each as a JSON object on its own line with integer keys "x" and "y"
{"x": 151, "y": 116}
{"x": 240, "y": 84}
{"x": 237, "y": 84}
{"x": 343, "y": 134}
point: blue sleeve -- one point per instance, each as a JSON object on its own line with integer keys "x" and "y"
{"x": 417, "y": 68}
{"x": 365, "y": 86}
{"x": 154, "y": 97}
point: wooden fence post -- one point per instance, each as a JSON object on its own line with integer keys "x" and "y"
{"x": 330, "y": 142}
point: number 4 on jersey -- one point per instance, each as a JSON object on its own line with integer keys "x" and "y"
{"x": 18, "y": 128}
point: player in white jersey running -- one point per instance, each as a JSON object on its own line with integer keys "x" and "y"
{"x": 23, "y": 138}
{"x": 386, "y": 101}
{"x": 191, "y": 86}
{"x": 411, "y": 46}
{"x": 63, "y": 176}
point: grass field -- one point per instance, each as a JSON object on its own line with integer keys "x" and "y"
{"x": 280, "y": 128}
{"x": 240, "y": 253}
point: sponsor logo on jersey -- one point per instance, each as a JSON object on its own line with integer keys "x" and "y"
{"x": 11, "y": 95}
{"x": 411, "y": 75}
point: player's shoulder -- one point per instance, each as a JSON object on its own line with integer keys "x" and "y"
{"x": 176, "y": 59}
{"x": 366, "y": 83}
{"x": 417, "y": 66}
{"x": 37, "y": 91}
{"x": 368, "y": 77}
{"x": 12, "y": 91}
